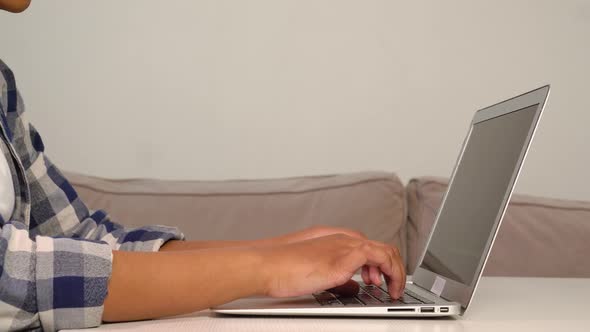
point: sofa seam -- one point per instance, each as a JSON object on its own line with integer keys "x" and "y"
{"x": 130, "y": 193}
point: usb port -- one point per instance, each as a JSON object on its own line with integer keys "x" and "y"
{"x": 444, "y": 309}
{"x": 427, "y": 309}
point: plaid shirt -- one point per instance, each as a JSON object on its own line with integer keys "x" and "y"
{"x": 55, "y": 253}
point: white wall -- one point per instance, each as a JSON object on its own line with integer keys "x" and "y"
{"x": 248, "y": 89}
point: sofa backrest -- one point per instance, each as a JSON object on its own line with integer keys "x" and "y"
{"x": 371, "y": 202}
{"x": 539, "y": 236}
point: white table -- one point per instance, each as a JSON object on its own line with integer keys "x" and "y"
{"x": 500, "y": 304}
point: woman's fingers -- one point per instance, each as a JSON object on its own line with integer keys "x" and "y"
{"x": 365, "y": 274}
{"x": 385, "y": 259}
{"x": 379, "y": 260}
{"x": 401, "y": 263}
{"x": 331, "y": 260}
{"x": 403, "y": 268}
{"x": 397, "y": 285}
{"x": 372, "y": 275}
{"x": 375, "y": 275}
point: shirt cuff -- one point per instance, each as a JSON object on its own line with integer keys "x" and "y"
{"x": 72, "y": 278}
{"x": 149, "y": 238}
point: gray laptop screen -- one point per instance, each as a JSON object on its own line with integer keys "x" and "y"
{"x": 481, "y": 181}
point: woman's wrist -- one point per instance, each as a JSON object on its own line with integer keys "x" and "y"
{"x": 261, "y": 269}
{"x": 150, "y": 285}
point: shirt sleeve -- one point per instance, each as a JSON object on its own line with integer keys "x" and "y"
{"x": 61, "y": 282}
{"x": 74, "y": 246}
{"x": 57, "y": 261}
{"x": 51, "y": 283}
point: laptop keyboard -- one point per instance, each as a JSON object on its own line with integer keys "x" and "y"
{"x": 369, "y": 295}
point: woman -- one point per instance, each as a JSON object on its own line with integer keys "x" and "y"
{"x": 65, "y": 266}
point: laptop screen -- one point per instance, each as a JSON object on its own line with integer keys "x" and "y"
{"x": 481, "y": 181}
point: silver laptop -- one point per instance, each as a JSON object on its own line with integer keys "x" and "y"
{"x": 464, "y": 230}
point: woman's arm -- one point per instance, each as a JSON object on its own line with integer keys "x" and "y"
{"x": 306, "y": 234}
{"x": 152, "y": 285}
{"x": 176, "y": 245}
{"x": 147, "y": 285}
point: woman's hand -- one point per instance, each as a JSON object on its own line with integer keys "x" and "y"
{"x": 317, "y": 231}
{"x": 326, "y": 262}
{"x": 370, "y": 274}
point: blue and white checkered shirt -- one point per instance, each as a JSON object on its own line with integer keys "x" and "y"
{"x": 55, "y": 253}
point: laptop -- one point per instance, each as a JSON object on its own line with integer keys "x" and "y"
{"x": 465, "y": 227}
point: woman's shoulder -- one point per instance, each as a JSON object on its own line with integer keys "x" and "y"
{"x": 7, "y": 87}
{"x": 11, "y": 105}
{"x": 6, "y": 77}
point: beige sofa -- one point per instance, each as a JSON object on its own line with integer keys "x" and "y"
{"x": 539, "y": 236}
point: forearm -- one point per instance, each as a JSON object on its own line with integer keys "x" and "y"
{"x": 151, "y": 285}
{"x": 309, "y": 233}
{"x": 198, "y": 245}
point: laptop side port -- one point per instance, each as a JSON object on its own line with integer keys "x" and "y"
{"x": 427, "y": 309}
{"x": 400, "y": 310}
{"x": 444, "y": 309}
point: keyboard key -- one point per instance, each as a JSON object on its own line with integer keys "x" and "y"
{"x": 368, "y": 299}
{"x": 332, "y": 303}
{"x": 416, "y": 296}
{"x": 349, "y": 300}
{"x": 409, "y": 299}
{"x": 327, "y": 299}
{"x": 392, "y": 301}
{"x": 324, "y": 296}
{"x": 381, "y": 296}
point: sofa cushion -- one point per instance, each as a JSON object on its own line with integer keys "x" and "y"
{"x": 371, "y": 202}
{"x": 538, "y": 237}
